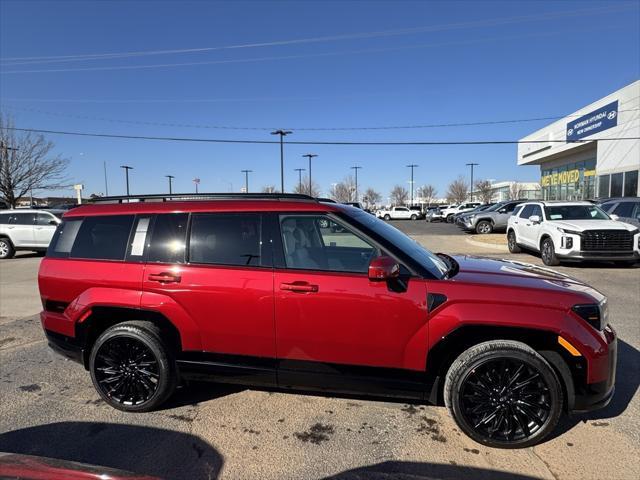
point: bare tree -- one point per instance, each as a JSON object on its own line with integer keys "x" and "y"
{"x": 370, "y": 197}
{"x": 484, "y": 191}
{"x": 344, "y": 191}
{"x": 399, "y": 195}
{"x": 458, "y": 190}
{"x": 428, "y": 193}
{"x": 304, "y": 187}
{"x": 269, "y": 189}
{"x": 26, "y": 164}
{"x": 515, "y": 191}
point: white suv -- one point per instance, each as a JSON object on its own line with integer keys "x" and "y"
{"x": 26, "y": 230}
{"x": 572, "y": 231}
{"x": 449, "y": 212}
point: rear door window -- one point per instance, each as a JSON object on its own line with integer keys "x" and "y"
{"x": 103, "y": 237}
{"x": 624, "y": 209}
{"x": 45, "y": 219}
{"x": 168, "y": 240}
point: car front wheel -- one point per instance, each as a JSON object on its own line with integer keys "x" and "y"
{"x": 131, "y": 367}
{"x": 414, "y": 217}
{"x": 512, "y": 243}
{"x": 503, "y": 394}
{"x": 6, "y": 249}
{"x": 387, "y": 217}
{"x": 548, "y": 253}
{"x": 484, "y": 227}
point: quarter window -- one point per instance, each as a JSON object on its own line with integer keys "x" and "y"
{"x": 64, "y": 238}
{"x": 318, "y": 243}
{"x": 45, "y": 219}
{"x": 526, "y": 211}
{"x": 224, "y": 239}
{"x": 168, "y": 240}
{"x": 103, "y": 237}
{"x": 536, "y": 210}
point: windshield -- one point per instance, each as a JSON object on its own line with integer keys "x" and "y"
{"x": 575, "y": 212}
{"x": 434, "y": 264}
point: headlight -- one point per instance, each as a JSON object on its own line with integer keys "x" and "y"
{"x": 564, "y": 230}
{"x": 595, "y": 314}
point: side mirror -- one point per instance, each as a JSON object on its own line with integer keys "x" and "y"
{"x": 614, "y": 217}
{"x": 535, "y": 218}
{"x": 383, "y": 268}
{"x": 502, "y": 210}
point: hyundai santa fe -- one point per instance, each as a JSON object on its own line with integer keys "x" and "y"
{"x": 265, "y": 291}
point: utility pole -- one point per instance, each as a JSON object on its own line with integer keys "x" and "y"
{"x": 472, "y": 165}
{"x": 282, "y": 134}
{"x": 106, "y": 184}
{"x": 299, "y": 170}
{"x": 170, "y": 177}
{"x": 310, "y": 156}
{"x": 412, "y": 166}
{"x": 356, "y": 168}
{"x": 126, "y": 173}
{"x": 246, "y": 179}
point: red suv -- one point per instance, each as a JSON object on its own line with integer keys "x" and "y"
{"x": 288, "y": 291}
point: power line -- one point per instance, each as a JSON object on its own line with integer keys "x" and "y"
{"x": 312, "y": 142}
{"x": 331, "y": 38}
{"x": 310, "y": 129}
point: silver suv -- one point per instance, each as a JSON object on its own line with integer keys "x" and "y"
{"x": 26, "y": 230}
{"x": 492, "y": 219}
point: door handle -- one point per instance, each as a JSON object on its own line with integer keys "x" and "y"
{"x": 299, "y": 287}
{"x": 165, "y": 277}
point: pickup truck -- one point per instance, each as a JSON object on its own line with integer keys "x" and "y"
{"x": 397, "y": 213}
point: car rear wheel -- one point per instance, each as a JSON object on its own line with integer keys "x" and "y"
{"x": 387, "y": 217}
{"x": 131, "y": 367}
{"x": 414, "y": 217}
{"x": 548, "y": 253}
{"x": 512, "y": 243}
{"x": 503, "y": 394}
{"x": 6, "y": 249}
{"x": 484, "y": 227}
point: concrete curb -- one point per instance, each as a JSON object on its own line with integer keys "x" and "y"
{"x": 500, "y": 248}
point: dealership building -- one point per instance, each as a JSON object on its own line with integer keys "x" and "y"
{"x": 589, "y": 169}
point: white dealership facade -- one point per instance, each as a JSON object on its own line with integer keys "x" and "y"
{"x": 589, "y": 169}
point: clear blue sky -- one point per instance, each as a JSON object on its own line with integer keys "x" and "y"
{"x": 450, "y": 62}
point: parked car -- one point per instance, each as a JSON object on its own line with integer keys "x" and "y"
{"x": 26, "y": 229}
{"x": 452, "y": 210}
{"x": 458, "y": 217}
{"x": 572, "y": 231}
{"x": 435, "y": 214}
{"x": 626, "y": 208}
{"x": 148, "y": 294}
{"x": 396, "y": 213}
{"x": 417, "y": 209}
{"x": 493, "y": 219}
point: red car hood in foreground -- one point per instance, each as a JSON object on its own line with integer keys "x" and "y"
{"x": 509, "y": 273}
{"x": 27, "y": 467}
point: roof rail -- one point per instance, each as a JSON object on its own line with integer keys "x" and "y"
{"x": 162, "y": 197}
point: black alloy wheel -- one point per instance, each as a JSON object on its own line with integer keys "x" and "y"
{"x": 548, "y": 253}
{"x": 512, "y": 243}
{"x": 504, "y": 394}
{"x": 130, "y": 367}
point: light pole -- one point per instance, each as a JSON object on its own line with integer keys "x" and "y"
{"x": 412, "y": 166}
{"x": 356, "y": 168}
{"x": 282, "y": 134}
{"x": 310, "y": 156}
{"x": 196, "y": 181}
{"x": 299, "y": 170}
{"x": 246, "y": 180}
{"x": 126, "y": 174}
{"x": 170, "y": 177}
{"x": 472, "y": 165}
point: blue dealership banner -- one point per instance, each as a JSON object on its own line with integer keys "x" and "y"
{"x": 594, "y": 122}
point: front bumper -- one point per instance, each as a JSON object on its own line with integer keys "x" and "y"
{"x": 604, "y": 256}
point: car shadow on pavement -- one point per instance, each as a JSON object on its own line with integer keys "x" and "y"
{"x": 426, "y": 471}
{"x": 143, "y": 450}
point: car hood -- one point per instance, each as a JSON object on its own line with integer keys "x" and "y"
{"x": 509, "y": 273}
{"x": 582, "y": 225}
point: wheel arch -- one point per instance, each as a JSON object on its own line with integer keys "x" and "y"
{"x": 440, "y": 357}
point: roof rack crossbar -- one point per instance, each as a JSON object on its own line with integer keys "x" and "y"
{"x": 162, "y": 197}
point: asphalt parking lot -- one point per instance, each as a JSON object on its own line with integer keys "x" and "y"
{"x": 49, "y": 407}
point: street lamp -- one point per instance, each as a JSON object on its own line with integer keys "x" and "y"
{"x": 310, "y": 156}
{"x": 170, "y": 177}
{"x": 246, "y": 180}
{"x": 282, "y": 134}
{"x": 472, "y": 165}
{"x": 356, "y": 168}
{"x": 299, "y": 170}
{"x": 196, "y": 181}
{"x": 126, "y": 174}
{"x": 412, "y": 166}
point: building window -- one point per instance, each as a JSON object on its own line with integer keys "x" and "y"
{"x": 616, "y": 184}
{"x": 631, "y": 183}
{"x": 603, "y": 186}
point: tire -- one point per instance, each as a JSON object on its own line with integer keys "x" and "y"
{"x": 6, "y": 249}
{"x": 484, "y": 227}
{"x": 387, "y": 217}
{"x": 450, "y": 219}
{"x": 414, "y": 217}
{"x": 521, "y": 414}
{"x": 548, "y": 253}
{"x": 133, "y": 357}
{"x": 512, "y": 243}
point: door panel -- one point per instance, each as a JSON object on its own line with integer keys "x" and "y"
{"x": 20, "y": 229}
{"x": 44, "y": 230}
